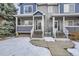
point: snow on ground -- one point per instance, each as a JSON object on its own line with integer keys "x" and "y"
{"x": 21, "y": 46}
{"x": 74, "y": 51}
{"x": 49, "y": 39}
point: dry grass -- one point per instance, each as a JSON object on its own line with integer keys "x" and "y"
{"x": 74, "y": 36}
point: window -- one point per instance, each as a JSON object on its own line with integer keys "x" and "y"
{"x": 27, "y": 22}
{"x": 28, "y": 9}
{"x": 53, "y": 9}
{"x": 69, "y": 8}
{"x": 70, "y": 23}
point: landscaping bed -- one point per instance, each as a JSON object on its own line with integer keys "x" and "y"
{"x": 74, "y": 36}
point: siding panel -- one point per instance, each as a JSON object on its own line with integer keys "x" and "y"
{"x": 61, "y": 8}
{"x": 77, "y": 7}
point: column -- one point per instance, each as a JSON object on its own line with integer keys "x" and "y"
{"x": 16, "y": 26}
{"x": 33, "y": 22}
{"x": 33, "y": 27}
{"x": 54, "y": 31}
{"x": 43, "y": 26}
{"x": 63, "y": 22}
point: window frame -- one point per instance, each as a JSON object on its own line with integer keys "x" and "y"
{"x": 27, "y": 6}
{"x": 68, "y": 6}
{"x": 28, "y": 22}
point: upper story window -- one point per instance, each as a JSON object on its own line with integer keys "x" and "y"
{"x": 28, "y": 9}
{"x": 69, "y": 8}
{"x": 53, "y": 9}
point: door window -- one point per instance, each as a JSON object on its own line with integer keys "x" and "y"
{"x": 38, "y": 24}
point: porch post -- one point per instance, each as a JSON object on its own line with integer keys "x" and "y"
{"x": 16, "y": 26}
{"x": 43, "y": 26}
{"x": 63, "y": 22}
{"x": 33, "y": 22}
{"x": 32, "y": 28}
{"x": 54, "y": 32}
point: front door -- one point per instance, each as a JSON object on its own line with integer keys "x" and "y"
{"x": 38, "y": 26}
{"x": 56, "y": 25}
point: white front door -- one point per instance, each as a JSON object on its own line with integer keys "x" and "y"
{"x": 38, "y": 26}
{"x": 56, "y": 25}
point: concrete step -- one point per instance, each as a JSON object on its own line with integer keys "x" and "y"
{"x": 60, "y": 35}
{"x": 37, "y": 35}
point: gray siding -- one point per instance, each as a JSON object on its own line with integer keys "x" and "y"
{"x": 77, "y": 7}
{"x": 73, "y": 29}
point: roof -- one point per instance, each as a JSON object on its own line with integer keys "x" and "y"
{"x": 30, "y": 14}
{"x": 38, "y": 13}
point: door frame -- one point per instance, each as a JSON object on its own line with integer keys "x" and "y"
{"x": 56, "y": 21}
{"x": 36, "y": 24}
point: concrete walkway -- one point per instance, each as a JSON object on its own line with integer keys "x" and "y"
{"x": 56, "y": 48}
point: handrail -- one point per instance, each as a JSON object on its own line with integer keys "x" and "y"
{"x": 66, "y": 32}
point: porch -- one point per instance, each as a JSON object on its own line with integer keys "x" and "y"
{"x": 30, "y": 24}
{"x": 63, "y": 25}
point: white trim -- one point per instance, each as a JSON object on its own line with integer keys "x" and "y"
{"x": 66, "y": 14}
{"x": 24, "y": 25}
{"x": 43, "y": 26}
{"x": 54, "y": 31}
{"x": 36, "y": 24}
{"x": 27, "y": 14}
{"x": 27, "y": 6}
{"x": 71, "y": 26}
{"x": 68, "y": 6}
{"x": 63, "y": 23}
{"x": 39, "y": 11}
{"x": 16, "y": 23}
{"x": 33, "y": 22}
{"x": 59, "y": 8}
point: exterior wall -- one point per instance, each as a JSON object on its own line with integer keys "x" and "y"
{"x": 76, "y": 7}
{"x": 44, "y": 9}
{"x": 22, "y": 7}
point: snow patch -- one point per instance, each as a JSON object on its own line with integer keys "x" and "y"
{"x": 21, "y": 46}
{"x": 74, "y": 51}
{"x": 49, "y": 39}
